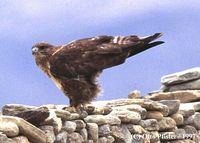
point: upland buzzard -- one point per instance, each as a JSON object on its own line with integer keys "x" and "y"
{"x": 74, "y": 67}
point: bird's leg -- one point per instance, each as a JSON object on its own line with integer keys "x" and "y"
{"x": 72, "y": 107}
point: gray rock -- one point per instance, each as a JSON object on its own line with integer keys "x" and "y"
{"x": 12, "y": 109}
{"x": 126, "y": 116}
{"x": 102, "y": 140}
{"x": 191, "y": 85}
{"x": 122, "y": 102}
{"x": 80, "y": 124}
{"x": 29, "y": 113}
{"x": 69, "y": 126}
{"x": 189, "y": 120}
{"x": 186, "y": 110}
{"x": 117, "y": 134}
{"x": 154, "y": 115}
{"x": 156, "y": 106}
{"x": 21, "y": 139}
{"x": 136, "y": 129}
{"x": 84, "y": 134}
{"x": 112, "y": 120}
{"x": 92, "y": 129}
{"x": 197, "y": 121}
{"x": 173, "y": 105}
{"x": 196, "y": 138}
{"x": 102, "y": 110}
{"x": 133, "y": 107}
{"x": 54, "y": 121}
{"x": 61, "y": 137}
{"x": 190, "y": 130}
{"x": 166, "y": 124}
{"x": 63, "y": 114}
{"x": 104, "y": 130}
{"x": 49, "y": 131}
{"x": 196, "y": 106}
{"x": 5, "y": 139}
{"x": 90, "y": 141}
{"x": 134, "y": 94}
{"x": 149, "y": 124}
{"x": 98, "y": 119}
{"x": 180, "y": 133}
{"x": 74, "y": 116}
{"x": 121, "y": 134}
{"x": 110, "y": 139}
{"x": 178, "y": 118}
{"x": 181, "y": 77}
{"x": 74, "y": 138}
{"x": 127, "y": 135}
{"x": 154, "y": 137}
{"x": 9, "y": 128}
{"x": 34, "y": 134}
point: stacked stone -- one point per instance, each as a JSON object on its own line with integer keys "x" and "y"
{"x": 115, "y": 121}
{"x": 162, "y": 117}
{"x": 184, "y": 80}
{"x": 185, "y": 87}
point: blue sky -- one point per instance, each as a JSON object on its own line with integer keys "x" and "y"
{"x": 23, "y": 23}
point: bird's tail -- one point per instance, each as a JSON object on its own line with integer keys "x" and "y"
{"x": 145, "y": 43}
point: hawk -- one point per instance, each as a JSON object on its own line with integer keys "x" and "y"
{"x": 74, "y": 67}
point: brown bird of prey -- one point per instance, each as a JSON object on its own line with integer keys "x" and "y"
{"x": 74, "y": 67}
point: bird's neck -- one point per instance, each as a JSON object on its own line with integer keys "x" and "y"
{"x": 43, "y": 63}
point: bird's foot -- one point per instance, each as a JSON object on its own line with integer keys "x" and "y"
{"x": 82, "y": 111}
{"x": 71, "y": 109}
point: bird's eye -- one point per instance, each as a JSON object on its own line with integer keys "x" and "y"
{"x": 35, "y": 50}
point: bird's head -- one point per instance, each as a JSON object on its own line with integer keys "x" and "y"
{"x": 41, "y": 49}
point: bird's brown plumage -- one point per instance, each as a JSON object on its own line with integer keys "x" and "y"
{"x": 75, "y": 66}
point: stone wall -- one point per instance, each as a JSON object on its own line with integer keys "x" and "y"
{"x": 166, "y": 116}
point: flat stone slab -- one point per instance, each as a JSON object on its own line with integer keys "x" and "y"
{"x": 190, "y": 85}
{"x": 184, "y": 96}
{"x": 181, "y": 77}
{"x": 31, "y": 114}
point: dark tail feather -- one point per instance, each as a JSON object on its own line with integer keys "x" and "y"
{"x": 139, "y": 49}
